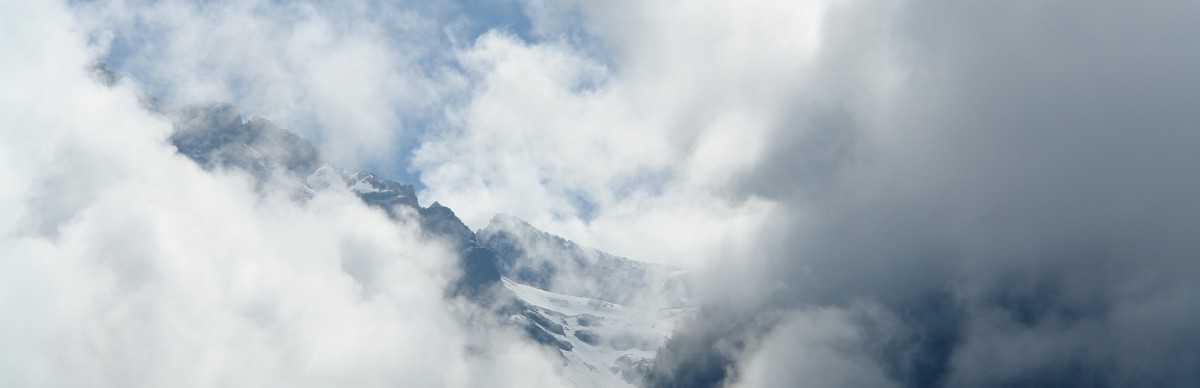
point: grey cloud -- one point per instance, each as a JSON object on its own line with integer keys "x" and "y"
{"x": 1023, "y": 202}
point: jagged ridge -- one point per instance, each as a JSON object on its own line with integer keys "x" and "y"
{"x": 217, "y": 137}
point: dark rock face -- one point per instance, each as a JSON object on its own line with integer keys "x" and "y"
{"x": 633, "y": 372}
{"x": 588, "y": 337}
{"x": 440, "y": 220}
{"x": 380, "y": 192}
{"x": 588, "y": 320}
{"x": 479, "y": 273}
{"x": 540, "y": 335}
{"x": 544, "y": 322}
{"x": 216, "y": 137}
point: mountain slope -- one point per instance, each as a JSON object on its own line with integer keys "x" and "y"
{"x": 534, "y": 257}
{"x": 608, "y": 344}
{"x": 589, "y": 305}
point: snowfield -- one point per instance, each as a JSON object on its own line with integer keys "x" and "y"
{"x": 611, "y": 344}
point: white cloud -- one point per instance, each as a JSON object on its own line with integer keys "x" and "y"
{"x": 124, "y": 264}
{"x": 347, "y": 74}
{"x": 635, "y": 153}
{"x": 584, "y": 135}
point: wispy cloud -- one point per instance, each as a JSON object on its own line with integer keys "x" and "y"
{"x": 355, "y": 76}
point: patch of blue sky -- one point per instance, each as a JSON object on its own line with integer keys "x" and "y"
{"x": 459, "y": 24}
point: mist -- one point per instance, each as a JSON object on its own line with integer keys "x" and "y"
{"x": 863, "y": 193}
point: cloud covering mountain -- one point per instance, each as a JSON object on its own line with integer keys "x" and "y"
{"x": 123, "y": 263}
{"x": 869, "y": 193}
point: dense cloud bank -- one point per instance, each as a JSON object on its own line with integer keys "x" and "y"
{"x": 1016, "y": 210}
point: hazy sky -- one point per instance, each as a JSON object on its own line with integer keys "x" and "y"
{"x": 870, "y": 193}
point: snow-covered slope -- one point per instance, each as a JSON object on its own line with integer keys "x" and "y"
{"x": 531, "y": 256}
{"x": 373, "y": 189}
{"x": 610, "y": 344}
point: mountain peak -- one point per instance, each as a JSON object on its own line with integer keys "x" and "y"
{"x": 504, "y": 219}
{"x": 535, "y": 257}
{"x": 216, "y": 136}
{"x": 553, "y": 270}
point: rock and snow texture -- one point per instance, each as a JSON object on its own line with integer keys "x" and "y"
{"x": 606, "y": 315}
{"x": 606, "y": 344}
{"x": 377, "y": 191}
{"x": 217, "y": 137}
{"x": 543, "y": 260}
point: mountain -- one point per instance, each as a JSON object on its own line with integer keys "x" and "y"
{"x": 530, "y": 256}
{"x": 603, "y": 343}
{"x": 217, "y": 137}
{"x": 595, "y": 308}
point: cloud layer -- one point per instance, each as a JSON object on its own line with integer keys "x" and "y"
{"x": 125, "y": 264}
{"x": 1015, "y": 196}
{"x": 913, "y": 193}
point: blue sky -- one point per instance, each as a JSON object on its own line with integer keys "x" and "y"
{"x": 464, "y": 21}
